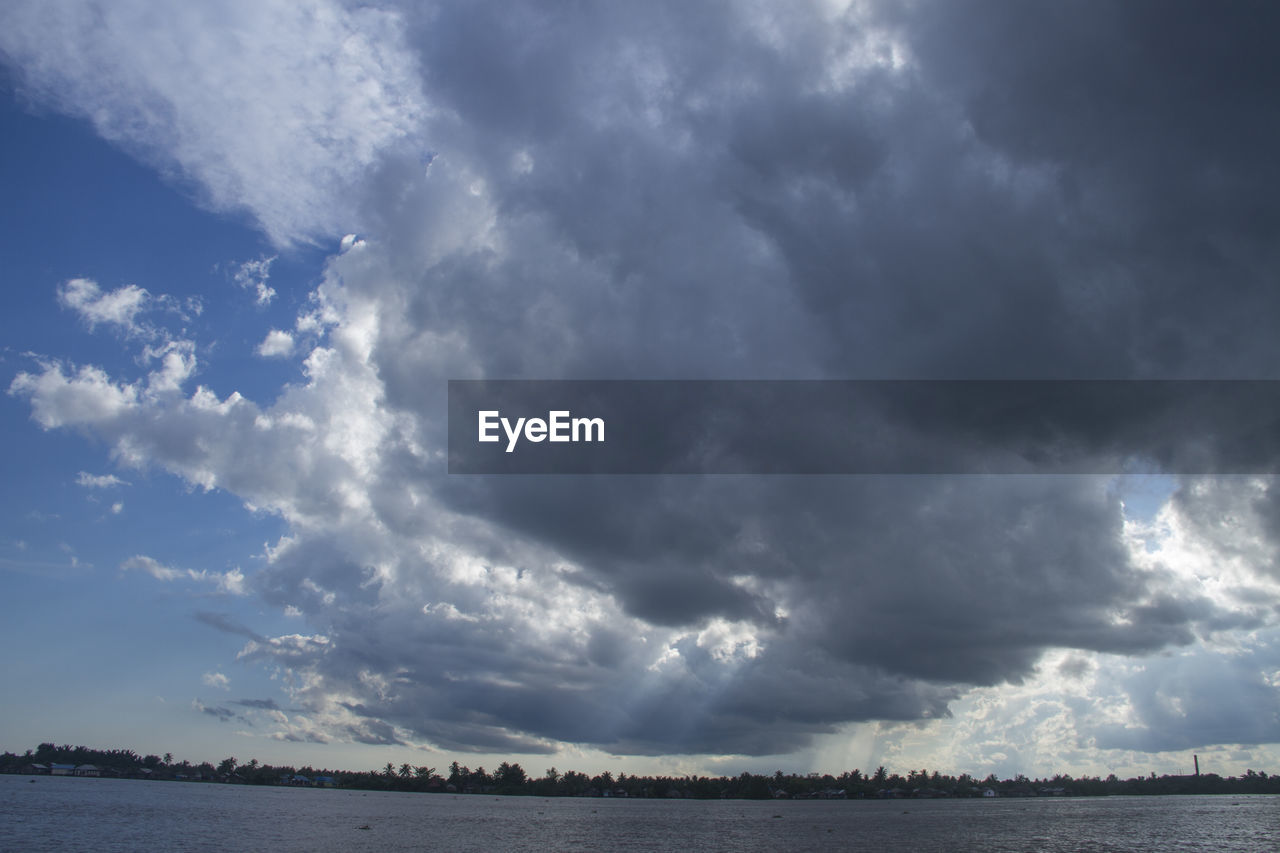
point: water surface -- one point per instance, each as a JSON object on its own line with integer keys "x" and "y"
{"x": 57, "y": 813}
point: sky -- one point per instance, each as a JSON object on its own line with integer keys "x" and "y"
{"x": 245, "y": 245}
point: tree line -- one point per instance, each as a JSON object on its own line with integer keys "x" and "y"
{"x": 511, "y": 778}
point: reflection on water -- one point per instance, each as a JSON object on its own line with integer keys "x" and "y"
{"x": 56, "y": 813}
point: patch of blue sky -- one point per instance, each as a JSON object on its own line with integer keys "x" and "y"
{"x": 1144, "y": 494}
{"x": 77, "y": 207}
{"x": 128, "y": 226}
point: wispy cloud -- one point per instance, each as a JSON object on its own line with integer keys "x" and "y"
{"x": 221, "y": 714}
{"x": 253, "y": 275}
{"x": 279, "y": 110}
{"x": 231, "y": 582}
{"x": 99, "y": 481}
{"x": 224, "y": 623}
{"x": 258, "y": 704}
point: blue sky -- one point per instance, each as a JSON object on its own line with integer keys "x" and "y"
{"x": 79, "y": 207}
{"x": 244, "y": 247}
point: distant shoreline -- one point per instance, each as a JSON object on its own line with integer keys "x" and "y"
{"x": 511, "y": 779}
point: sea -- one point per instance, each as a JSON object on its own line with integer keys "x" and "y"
{"x": 57, "y": 813}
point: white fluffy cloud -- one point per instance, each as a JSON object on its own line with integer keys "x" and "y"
{"x": 117, "y": 308}
{"x": 277, "y": 344}
{"x": 88, "y": 396}
{"x": 216, "y": 680}
{"x": 124, "y": 310}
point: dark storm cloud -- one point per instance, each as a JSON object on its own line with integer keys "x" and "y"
{"x": 898, "y": 232}
{"x": 1153, "y": 119}
{"x": 879, "y": 598}
{"x": 457, "y": 687}
{"x": 1005, "y": 566}
{"x": 684, "y": 191}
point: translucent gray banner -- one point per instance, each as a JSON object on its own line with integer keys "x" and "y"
{"x": 863, "y": 427}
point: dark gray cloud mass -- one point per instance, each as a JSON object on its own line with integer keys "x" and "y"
{"x": 1152, "y": 118}
{"x": 1046, "y": 192}
{"x": 1040, "y": 190}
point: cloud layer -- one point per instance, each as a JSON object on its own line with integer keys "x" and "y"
{"x": 706, "y": 191}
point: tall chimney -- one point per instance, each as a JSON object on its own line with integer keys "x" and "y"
{"x": 1196, "y": 759}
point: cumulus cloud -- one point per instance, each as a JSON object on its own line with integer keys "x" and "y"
{"x": 277, "y": 344}
{"x": 123, "y": 309}
{"x": 873, "y": 192}
{"x": 216, "y": 679}
{"x": 116, "y": 308}
{"x": 89, "y": 396}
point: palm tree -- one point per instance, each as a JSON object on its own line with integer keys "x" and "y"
{"x": 406, "y": 770}
{"x": 389, "y": 770}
